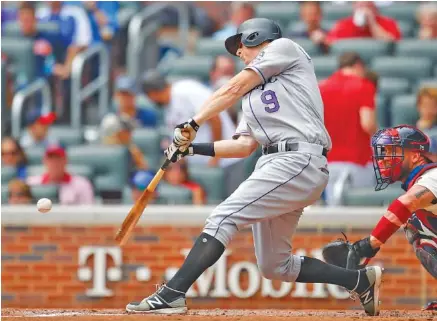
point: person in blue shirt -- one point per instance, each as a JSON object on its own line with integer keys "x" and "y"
{"x": 75, "y": 31}
{"x": 126, "y": 103}
{"x": 43, "y": 43}
{"x": 103, "y": 19}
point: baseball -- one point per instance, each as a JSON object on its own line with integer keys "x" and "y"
{"x": 44, "y": 205}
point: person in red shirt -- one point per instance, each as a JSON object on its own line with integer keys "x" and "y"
{"x": 366, "y": 22}
{"x": 349, "y": 102}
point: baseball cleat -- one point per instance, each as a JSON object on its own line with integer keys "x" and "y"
{"x": 157, "y": 303}
{"x": 370, "y": 297}
{"x": 431, "y": 306}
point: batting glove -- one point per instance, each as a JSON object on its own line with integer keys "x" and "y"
{"x": 190, "y": 127}
{"x": 175, "y": 154}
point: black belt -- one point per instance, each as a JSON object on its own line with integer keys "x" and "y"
{"x": 289, "y": 147}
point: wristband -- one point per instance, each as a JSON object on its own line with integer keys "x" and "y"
{"x": 205, "y": 149}
{"x": 193, "y": 124}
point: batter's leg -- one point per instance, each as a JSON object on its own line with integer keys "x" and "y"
{"x": 275, "y": 261}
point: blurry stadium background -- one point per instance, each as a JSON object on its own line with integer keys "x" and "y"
{"x": 66, "y": 75}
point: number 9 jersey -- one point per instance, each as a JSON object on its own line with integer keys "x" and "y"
{"x": 288, "y": 105}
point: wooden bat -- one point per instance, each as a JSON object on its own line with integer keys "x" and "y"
{"x": 137, "y": 210}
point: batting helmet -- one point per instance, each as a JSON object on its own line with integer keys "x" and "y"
{"x": 387, "y": 162}
{"x": 252, "y": 33}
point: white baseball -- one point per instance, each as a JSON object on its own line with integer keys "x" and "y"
{"x": 44, "y": 205}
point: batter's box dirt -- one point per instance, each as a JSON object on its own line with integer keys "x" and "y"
{"x": 212, "y": 315}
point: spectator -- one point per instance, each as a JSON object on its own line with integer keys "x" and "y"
{"x": 75, "y": 30}
{"x": 19, "y": 193}
{"x": 117, "y": 130}
{"x": 223, "y": 69}
{"x": 366, "y": 22}
{"x": 427, "y": 18}
{"x": 184, "y": 98}
{"x": 37, "y": 129}
{"x": 13, "y": 155}
{"x": 126, "y": 103}
{"x": 427, "y": 108}
{"x": 103, "y": 19}
{"x": 177, "y": 175}
{"x": 43, "y": 43}
{"x": 73, "y": 189}
{"x": 240, "y": 12}
{"x": 140, "y": 181}
{"x": 310, "y": 25}
{"x": 349, "y": 101}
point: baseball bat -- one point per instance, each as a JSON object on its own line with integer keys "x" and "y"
{"x": 137, "y": 210}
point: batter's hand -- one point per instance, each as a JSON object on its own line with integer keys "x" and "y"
{"x": 188, "y": 128}
{"x": 175, "y": 154}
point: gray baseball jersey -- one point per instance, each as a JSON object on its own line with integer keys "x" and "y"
{"x": 286, "y": 107}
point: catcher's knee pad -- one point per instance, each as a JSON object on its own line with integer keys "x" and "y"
{"x": 426, "y": 252}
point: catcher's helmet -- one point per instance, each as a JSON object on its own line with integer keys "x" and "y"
{"x": 252, "y": 33}
{"x": 387, "y": 162}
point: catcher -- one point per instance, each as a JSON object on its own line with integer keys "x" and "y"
{"x": 400, "y": 154}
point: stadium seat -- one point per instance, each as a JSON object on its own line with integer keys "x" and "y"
{"x": 66, "y": 135}
{"x": 403, "y": 110}
{"x": 8, "y": 173}
{"x": 166, "y": 194}
{"x": 328, "y": 24}
{"x": 335, "y": 12}
{"x": 169, "y": 194}
{"x": 388, "y": 86}
{"x": 110, "y": 164}
{"x": 20, "y": 54}
{"x": 407, "y": 28}
{"x": 404, "y": 67}
{"x": 417, "y": 48}
{"x": 427, "y": 82}
{"x": 310, "y": 47}
{"x": 34, "y": 155}
{"x": 325, "y": 66}
{"x": 367, "y": 48}
{"x": 80, "y": 170}
{"x": 383, "y": 111}
{"x": 192, "y": 66}
{"x": 250, "y": 162}
{"x": 12, "y": 29}
{"x": 401, "y": 12}
{"x": 148, "y": 141}
{"x": 281, "y": 12}
{"x": 210, "y": 47}
{"x": 5, "y": 194}
{"x": 212, "y": 179}
{"x": 369, "y": 197}
{"x": 48, "y": 191}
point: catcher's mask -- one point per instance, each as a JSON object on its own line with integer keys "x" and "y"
{"x": 389, "y": 152}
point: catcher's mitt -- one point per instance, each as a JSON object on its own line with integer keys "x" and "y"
{"x": 348, "y": 255}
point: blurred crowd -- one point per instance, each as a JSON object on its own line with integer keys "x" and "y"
{"x": 349, "y": 94}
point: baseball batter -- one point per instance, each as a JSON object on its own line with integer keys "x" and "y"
{"x": 282, "y": 112}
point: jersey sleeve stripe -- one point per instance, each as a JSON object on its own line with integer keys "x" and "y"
{"x": 258, "y": 72}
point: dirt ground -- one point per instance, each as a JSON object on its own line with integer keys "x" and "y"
{"x": 213, "y": 315}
